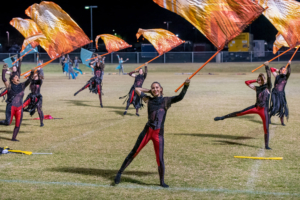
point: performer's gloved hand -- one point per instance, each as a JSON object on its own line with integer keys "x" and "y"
{"x": 273, "y": 69}
{"x": 266, "y": 63}
{"x": 5, "y": 66}
{"x": 187, "y": 82}
{"x": 250, "y": 81}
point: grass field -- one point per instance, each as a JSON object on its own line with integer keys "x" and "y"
{"x": 90, "y": 143}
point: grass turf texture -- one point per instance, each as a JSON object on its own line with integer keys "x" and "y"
{"x": 90, "y": 143}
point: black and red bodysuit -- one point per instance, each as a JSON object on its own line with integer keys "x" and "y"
{"x": 261, "y": 107}
{"x": 132, "y": 97}
{"x": 95, "y": 83}
{"x": 279, "y": 104}
{"x": 154, "y": 130}
{"x": 34, "y": 100}
{"x": 14, "y": 107}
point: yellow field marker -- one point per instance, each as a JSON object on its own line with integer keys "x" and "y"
{"x": 260, "y": 158}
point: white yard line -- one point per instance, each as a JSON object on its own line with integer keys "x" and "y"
{"x": 139, "y": 187}
{"x": 255, "y": 168}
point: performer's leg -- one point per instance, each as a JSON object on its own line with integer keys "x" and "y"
{"x": 18, "y": 113}
{"x": 137, "y": 112}
{"x": 129, "y": 101}
{"x": 26, "y": 102}
{"x": 282, "y": 120}
{"x": 40, "y": 112}
{"x": 263, "y": 113}
{"x": 84, "y": 87}
{"x": 249, "y": 110}
{"x": 142, "y": 140}
{"x": 158, "y": 142}
{"x": 9, "y": 116}
{"x": 99, "y": 87}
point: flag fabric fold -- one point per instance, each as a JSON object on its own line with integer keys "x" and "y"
{"x": 162, "y": 40}
{"x": 29, "y": 50}
{"x": 112, "y": 43}
{"x": 285, "y": 16}
{"x": 218, "y": 20}
{"x": 58, "y": 27}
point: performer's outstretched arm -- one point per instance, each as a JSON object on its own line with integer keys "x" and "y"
{"x": 146, "y": 71}
{"x": 5, "y": 81}
{"x": 288, "y": 73}
{"x": 269, "y": 81}
{"x": 141, "y": 92}
{"x": 179, "y": 97}
{"x": 19, "y": 68}
{"x": 132, "y": 74}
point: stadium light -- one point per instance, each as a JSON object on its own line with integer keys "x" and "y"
{"x": 91, "y": 8}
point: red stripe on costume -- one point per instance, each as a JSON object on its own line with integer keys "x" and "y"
{"x": 131, "y": 99}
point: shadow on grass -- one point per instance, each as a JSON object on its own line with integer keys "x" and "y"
{"x": 233, "y": 137}
{"x": 79, "y": 103}
{"x": 118, "y": 112}
{"x": 105, "y": 173}
{"x": 225, "y": 142}
{"x": 3, "y": 138}
{"x": 10, "y": 132}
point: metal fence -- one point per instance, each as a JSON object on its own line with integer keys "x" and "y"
{"x": 174, "y": 57}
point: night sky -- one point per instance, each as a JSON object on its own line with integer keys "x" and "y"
{"x": 125, "y": 17}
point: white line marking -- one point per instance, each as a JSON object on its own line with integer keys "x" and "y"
{"x": 261, "y": 153}
{"x": 130, "y": 186}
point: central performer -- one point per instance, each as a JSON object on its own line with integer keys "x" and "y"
{"x": 95, "y": 83}
{"x": 154, "y": 129}
{"x": 262, "y": 102}
{"x": 133, "y": 98}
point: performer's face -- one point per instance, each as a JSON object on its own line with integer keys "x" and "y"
{"x": 156, "y": 90}
{"x": 16, "y": 80}
{"x": 282, "y": 71}
{"x": 14, "y": 68}
{"x": 260, "y": 80}
{"x": 141, "y": 71}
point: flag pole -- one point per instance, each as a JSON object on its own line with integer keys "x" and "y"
{"x": 158, "y": 56}
{"x": 200, "y": 68}
{"x": 291, "y": 58}
{"x": 148, "y": 62}
{"x": 41, "y": 66}
{"x": 23, "y": 56}
{"x": 272, "y": 59}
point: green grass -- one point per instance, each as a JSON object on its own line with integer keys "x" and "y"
{"x": 90, "y": 143}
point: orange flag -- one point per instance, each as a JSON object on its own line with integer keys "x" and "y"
{"x": 112, "y": 43}
{"x": 285, "y": 16}
{"x": 58, "y": 27}
{"x": 43, "y": 42}
{"x": 219, "y": 20}
{"x": 162, "y": 40}
{"x": 27, "y": 28}
{"x": 279, "y": 42}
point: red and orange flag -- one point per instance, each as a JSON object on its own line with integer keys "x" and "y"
{"x": 285, "y": 16}
{"x": 59, "y": 28}
{"x": 112, "y": 43}
{"x": 27, "y": 28}
{"x": 219, "y": 20}
{"x": 162, "y": 40}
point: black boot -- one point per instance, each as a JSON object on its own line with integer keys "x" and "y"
{"x": 118, "y": 178}
{"x": 125, "y": 112}
{"x": 161, "y": 173}
{"x": 267, "y": 142}
{"x": 282, "y": 121}
{"x": 219, "y": 118}
{"x": 137, "y": 112}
